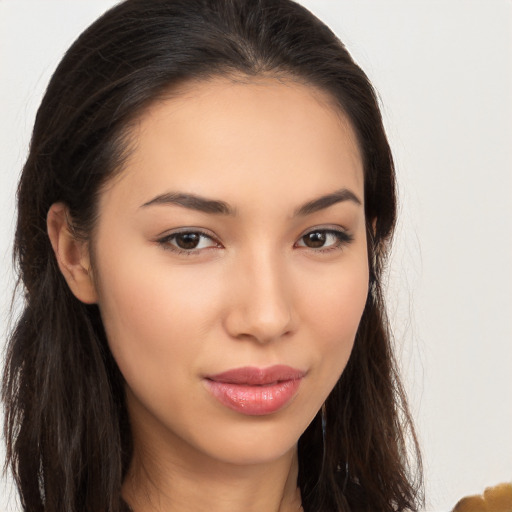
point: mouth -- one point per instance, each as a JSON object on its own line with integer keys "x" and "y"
{"x": 255, "y": 391}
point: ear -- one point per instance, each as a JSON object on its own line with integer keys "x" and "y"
{"x": 72, "y": 254}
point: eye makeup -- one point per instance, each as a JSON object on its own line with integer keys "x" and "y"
{"x": 189, "y": 241}
{"x": 192, "y": 241}
{"x": 324, "y": 240}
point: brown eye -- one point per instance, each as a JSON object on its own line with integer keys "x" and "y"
{"x": 324, "y": 239}
{"x": 315, "y": 239}
{"x": 187, "y": 240}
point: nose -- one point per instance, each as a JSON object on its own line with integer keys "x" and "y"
{"x": 261, "y": 306}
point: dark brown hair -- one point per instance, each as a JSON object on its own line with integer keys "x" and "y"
{"x": 67, "y": 431}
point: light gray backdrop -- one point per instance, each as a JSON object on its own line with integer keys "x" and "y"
{"x": 443, "y": 70}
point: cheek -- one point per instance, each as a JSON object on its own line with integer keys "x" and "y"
{"x": 155, "y": 317}
{"x": 337, "y": 297}
{"x": 336, "y": 305}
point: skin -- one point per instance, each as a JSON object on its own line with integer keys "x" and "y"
{"x": 252, "y": 294}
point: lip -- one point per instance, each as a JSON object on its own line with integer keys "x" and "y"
{"x": 255, "y": 391}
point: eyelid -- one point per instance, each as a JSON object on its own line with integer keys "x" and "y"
{"x": 328, "y": 228}
{"x": 187, "y": 229}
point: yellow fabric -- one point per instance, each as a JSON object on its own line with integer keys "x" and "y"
{"x": 494, "y": 499}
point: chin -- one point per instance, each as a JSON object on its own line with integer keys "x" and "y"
{"x": 260, "y": 442}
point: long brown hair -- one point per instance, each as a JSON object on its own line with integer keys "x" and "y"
{"x": 67, "y": 431}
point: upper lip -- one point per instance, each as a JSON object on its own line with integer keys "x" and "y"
{"x": 253, "y": 376}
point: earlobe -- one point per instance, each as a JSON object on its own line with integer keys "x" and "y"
{"x": 71, "y": 253}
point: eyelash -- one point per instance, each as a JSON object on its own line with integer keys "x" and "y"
{"x": 165, "y": 242}
{"x": 343, "y": 239}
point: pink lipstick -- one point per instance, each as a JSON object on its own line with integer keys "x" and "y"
{"x": 255, "y": 391}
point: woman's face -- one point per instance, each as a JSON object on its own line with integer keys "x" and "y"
{"x": 230, "y": 266}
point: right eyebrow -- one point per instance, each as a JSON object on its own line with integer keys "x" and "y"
{"x": 191, "y": 201}
{"x": 327, "y": 200}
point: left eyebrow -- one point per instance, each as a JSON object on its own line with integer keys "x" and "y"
{"x": 323, "y": 202}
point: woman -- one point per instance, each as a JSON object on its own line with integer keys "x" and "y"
{"x": 203, "y": 221}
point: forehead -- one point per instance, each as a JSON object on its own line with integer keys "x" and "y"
{"x": 225, "y": 137}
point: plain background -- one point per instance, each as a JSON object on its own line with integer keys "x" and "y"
{"x": 443, "y": 71}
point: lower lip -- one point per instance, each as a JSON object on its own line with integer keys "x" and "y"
{"x": 254, "y": 400}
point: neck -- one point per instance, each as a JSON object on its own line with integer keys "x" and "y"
{"x": 169, "y": 482}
